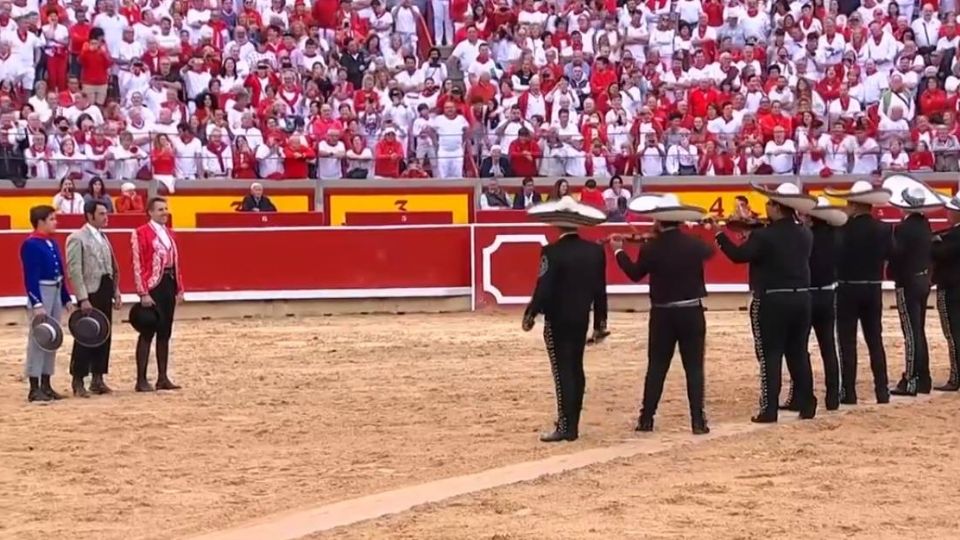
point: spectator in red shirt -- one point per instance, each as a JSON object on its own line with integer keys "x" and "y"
{"x": 414, "y": 170}
{"x": 387, "y": 155}
{"x": 592, "y": 196}
{"x": 94, "y": 68}
{"x": 295, "y": 157}
{"x": 244, "y": 160}
{"x": 129, "y": 201}
{"x": 524, "y": 154}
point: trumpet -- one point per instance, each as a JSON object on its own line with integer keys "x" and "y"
{"x": 633, "y": 238}
{"x": 735, "y": 223}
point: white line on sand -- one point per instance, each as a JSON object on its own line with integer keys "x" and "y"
{"x": 300, "y": 523}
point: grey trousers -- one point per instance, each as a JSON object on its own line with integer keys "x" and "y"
{"x": 40, "y": 362}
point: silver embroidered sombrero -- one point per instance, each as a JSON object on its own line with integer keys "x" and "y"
{"x": 911, "y": 194}
{"x": 862, "y": 192}
{"x": 567, "y": 212}
{"x": 788, "y": 195}
{"x": 665, "y": 207}
{"x": 832, "y": 214}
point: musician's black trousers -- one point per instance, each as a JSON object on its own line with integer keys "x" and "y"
{"x": 84, "y": 360}
{"x": 912, "y": 296}
{"x": 863, "y": 304}
{"x": 948, "y": 305}
{"x": 781, "y": 328}
{"x": 824, "y": 321}
{"x": 565, "y": 346}
{"x": 670, "y": 327}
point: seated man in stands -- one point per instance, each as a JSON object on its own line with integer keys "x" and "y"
{"x": 256, "y": 201}
{"x": 527, "y": 197}
{"x": 494, "y": 198}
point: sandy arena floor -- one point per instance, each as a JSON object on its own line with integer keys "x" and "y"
{"x": 285, "y": 414}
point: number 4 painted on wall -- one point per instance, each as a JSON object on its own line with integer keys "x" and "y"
{"x": 717, "y": 207}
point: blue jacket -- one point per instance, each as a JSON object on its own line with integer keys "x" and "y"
{"x": 41, "y": 262}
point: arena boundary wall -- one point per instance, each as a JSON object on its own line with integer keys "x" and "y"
{"x": 305, "y": 271}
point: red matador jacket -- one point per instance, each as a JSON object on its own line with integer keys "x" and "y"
{"x": 150, "y": 257}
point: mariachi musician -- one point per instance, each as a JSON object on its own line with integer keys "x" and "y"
{"x": 572, "y": 278}
{"x": 779, "y": 255}
{"x": 824, "y": 222}
{"x": 946, "y": 276}
{"x": 674, "y": 262}
{"x": 909, "y": 267}
{"x": 865, "y": 245}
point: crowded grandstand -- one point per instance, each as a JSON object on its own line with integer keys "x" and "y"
{"x": 268, "y": 89}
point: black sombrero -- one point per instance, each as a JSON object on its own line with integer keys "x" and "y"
{"x": 862, "y": 192}
{"x": 832, "y": 214}
{"x": 46, "y": 333}
{"x": 144, "y": 319}
{"x": 89, "y": 328}
{"x": 665, "y": 207}
{"x": 788, "y": 195}
{"x": 912, "y": 195}
{"x": 567, "y": 212}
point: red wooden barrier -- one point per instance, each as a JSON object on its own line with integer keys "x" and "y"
{"x": 207, "y": 220}
{"x": 4, "y": 222}
{"x": 117, "y": 221}
{"x": 398, "y": 218}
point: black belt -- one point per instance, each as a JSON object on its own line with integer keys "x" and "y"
{"x": 860, "y": 282}
{"x": 829, "y": 287}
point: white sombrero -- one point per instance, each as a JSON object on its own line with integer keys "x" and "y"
{"x": 665, "y": 207}
{"x": 862, "y": 192}
{"x": 832, "y": 214}
{"x": 953, "y": 203}
{"x": 567, "y": 212}
{"x": 912, "y": 195}
{"x": 788, "y": 195}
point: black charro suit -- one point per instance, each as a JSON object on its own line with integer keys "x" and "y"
{"x": 572, "y": 278}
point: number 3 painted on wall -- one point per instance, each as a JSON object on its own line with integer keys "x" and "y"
{"x": 717, "y": 207}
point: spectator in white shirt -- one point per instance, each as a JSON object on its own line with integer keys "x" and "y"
{"x": 866, "y": 152}
{"x": 66, "y": 201}
{"x": 781, "y": 152}
{"x": 651, "y": 157}
{"x": 449, "y": 129}
{"x": 330, "y": 153}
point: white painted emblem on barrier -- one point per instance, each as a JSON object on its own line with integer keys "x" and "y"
{"x": 488, "y": 252}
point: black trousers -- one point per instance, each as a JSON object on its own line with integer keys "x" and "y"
{"x": 912, "y": 296}
{"x": 948, "y": 305}
{"x": 565, "y": 346}
{"x": 781, "y": 328}
{"x": 165, "y": 296}
{"x": 863, "y": 304}
{"x": 670, "y": 327}
{"x": 824, "y": 322}
{"x": 83, "y": 360}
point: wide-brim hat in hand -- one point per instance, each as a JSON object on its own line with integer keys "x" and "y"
{"x": 832, "y": 214}
{"x": 144, "y": 319}
{"x": 862, "y": 192}
{"x": 912, "y": 195}
{"x": 46, "y": 333}
{"x": 89, "y": 327}
{"x": 568, "y": 213}
{"x": 665, "y": 207}
{"x": 788, "y": 195}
